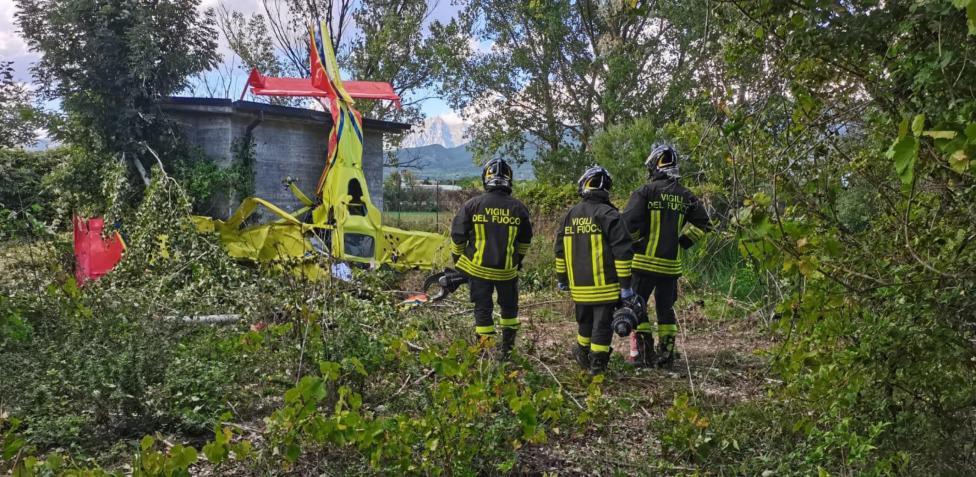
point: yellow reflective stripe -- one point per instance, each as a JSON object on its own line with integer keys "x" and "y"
{"x": 654, "y": 233}
{"x": 667, "y": 330}
{"x": 663, "y": 261}
{"x": 694, "y": 233}
{"x": 457, "y": 248}
{"x": 635, "y": 236}
{"x": 560, "y": 265}
{"x": 479, "y": 243}
{"x": 599, "y": 348}
{"x": 568, "y": 252}
{"x": 509, "y": 322}
{"x": 622, "y": 267}
{"x": 583, "y": 340}
{"x": 510, "y": 248}
{"x": 484, "y": 330}
{"x": 522, "y": 248}
{"x": 599, "y": 274}
{"x": 594, "y": 294}
{"x": 657, "y": 265}
{"x": 466, "y": 265}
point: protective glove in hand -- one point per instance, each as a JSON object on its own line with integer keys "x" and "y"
{"x": 626, "y": 293}
{"x": 562, "y": 286}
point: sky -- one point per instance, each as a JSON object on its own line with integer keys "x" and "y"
{"x": 13, "y": 48}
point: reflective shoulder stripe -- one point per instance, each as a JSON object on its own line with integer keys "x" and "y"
{"x": 653, "y": 233}
{"x": 596, "y": 259}
{"x": 479, "y": 244}
{"x": 568, "y": 252}
{"x": 510, "y": 247}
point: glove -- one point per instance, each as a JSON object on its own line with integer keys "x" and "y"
{"x": 626, "y": 293}
{"x": 562, "y": 286}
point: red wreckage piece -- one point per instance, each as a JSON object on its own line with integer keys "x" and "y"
{"x": 94, "y": 255}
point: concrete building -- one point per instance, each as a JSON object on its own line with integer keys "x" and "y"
{"x": 288, "y": 142}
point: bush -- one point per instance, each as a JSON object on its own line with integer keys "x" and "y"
{"x": 26, "y": 206}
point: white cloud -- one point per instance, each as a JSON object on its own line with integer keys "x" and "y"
{"x": 480, "y": 46}
{"x": 11, "y": 45}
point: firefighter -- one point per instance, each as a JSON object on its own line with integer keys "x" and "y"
{"x": 593, "y": 257}
{"x": 491, "y": 234}
{"x": 661, "y": 216}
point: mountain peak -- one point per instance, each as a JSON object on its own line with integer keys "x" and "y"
{"x": 446, "y": 130}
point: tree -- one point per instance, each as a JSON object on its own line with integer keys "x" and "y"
{"x": 557, "y": 72}
{"x": 111, "y": 61}
{"x": 19, "y": 117}
{"x": 814, "y": 105}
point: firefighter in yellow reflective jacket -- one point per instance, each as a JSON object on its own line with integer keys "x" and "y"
{"x": 491, "y": 234}
{"x": 661, "y": 216}
{"x": 593, "y": 256}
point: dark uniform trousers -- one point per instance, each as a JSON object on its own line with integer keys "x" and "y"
{"x": 594, "y": 322}
{"x": 481, "y": 296}
{"x": 665, "y": 290}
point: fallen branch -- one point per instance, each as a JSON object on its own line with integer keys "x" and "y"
{"x": 414, "y": 383}
{"x": 558, "y": 382}
{"x": 205, "y": 319}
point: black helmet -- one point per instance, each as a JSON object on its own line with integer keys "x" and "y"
{"x": 497, "y": 174}
{"x": 663, "y": 159}
{"x": 595, "y": 178}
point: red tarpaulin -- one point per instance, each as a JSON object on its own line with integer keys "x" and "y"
{"x": 266, "y": 86}
{"x": 94, "y": 256}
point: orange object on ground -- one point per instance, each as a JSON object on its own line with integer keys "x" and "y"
{"x": 94, "y": 256}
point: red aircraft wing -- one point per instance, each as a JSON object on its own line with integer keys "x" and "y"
{"x": 266, "y": 86}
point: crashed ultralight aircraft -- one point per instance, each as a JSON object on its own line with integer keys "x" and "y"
{"x": 342, "y": 222}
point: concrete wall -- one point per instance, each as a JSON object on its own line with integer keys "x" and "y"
{"x": 283, "y": 149}
{"x": 289, "y": 143}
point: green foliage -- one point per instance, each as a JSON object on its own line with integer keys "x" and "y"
{"x": 88, "y": 184}
{"x": 546, "y": 198}
{"x": 26, "y": 207}
{"x": 622, "y": 149}
{"x": 110, "y": 64}
{"x": 860, "y": 247}
{"x": 687, "y": 435}
{"x": 560, "y": 72}
{"x": 109, "y": 358}
{"x": 451, "y": 435}
{"x": 20, "y": 118}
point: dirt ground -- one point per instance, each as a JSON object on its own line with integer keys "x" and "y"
{"x": 719, "y": 365}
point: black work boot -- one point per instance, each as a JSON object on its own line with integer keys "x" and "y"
{"x": 665, "y": 352}
{"x": 582, "y": 355}
{"x": 645, "y": 351}
{"x": 507, "y": 345}
{"x": 598, "y": 362}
